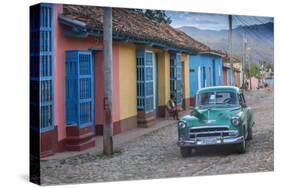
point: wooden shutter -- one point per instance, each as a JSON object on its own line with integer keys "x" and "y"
{"x": 176, "y": 76}
{"x": 149, "y": 99}
{"x": 145, "y": 99}
{"x": 79, "y": 88}
{"x": 179, "y": 78}
{"x": 41, "y": 67}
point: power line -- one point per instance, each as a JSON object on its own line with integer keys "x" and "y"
{"x": 251, "y": 33}
{"x": 246, "y": 28}
{"x": 261, "y": 56}
{"x": 257, "y": 51}
{"x": 258, "y": 20}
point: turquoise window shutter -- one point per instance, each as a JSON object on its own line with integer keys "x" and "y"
{"x": 179, "y": 78}
{"x": 149, "y": 97}
{"x": 145, "y": 95}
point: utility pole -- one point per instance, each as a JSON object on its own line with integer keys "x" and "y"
{"x": 244, "y": 41}
{"x": 248, "y": 66}
{"x": 230, "y": 45}
{"x": 107, "y": 73}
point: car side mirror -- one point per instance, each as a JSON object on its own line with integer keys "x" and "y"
{"x": 243, "y": 105}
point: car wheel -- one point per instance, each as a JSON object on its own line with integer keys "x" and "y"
{"x": 241, "y": 147}
{"x": 186, "y": 151}
{"x": 250, "y": 133}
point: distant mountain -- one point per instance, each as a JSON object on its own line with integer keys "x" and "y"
{"x": 260, "y": 40}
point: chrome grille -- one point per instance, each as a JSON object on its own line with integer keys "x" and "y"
{"x": 211, "y": 131}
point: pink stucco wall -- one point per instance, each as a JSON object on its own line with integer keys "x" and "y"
{"x": 100, "y": 86}
{"x": 61, "y": 44}
{"x": 253, "y": 83}
{"x": 99, "y": 89}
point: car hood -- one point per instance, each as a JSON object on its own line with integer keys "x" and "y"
{"x": 214, "y": 116}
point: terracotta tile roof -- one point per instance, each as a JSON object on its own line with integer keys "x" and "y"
{"x": 235, "y": 60}
{"x": 134, "y": 25}
{"x": 226, "y": 59}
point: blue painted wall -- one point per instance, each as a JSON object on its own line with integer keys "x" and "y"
{"x": 229, "y": 77}
{"x": 213, "y": 71}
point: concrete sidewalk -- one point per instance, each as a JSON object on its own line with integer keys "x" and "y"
{"x": 117, "y": 139}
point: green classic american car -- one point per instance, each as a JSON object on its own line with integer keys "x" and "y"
{"x": 219, "y": 117}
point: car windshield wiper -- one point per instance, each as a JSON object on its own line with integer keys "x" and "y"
{"x": 227, "y": 105}
{"x": 206, "y": 105}
{"x": 233, "y": 105}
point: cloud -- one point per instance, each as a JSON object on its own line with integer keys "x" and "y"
{"x": 208, "y": 20}
{"x": 203, "y": 21}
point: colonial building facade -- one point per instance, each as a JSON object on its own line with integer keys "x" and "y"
{"x": 151, "y": 61}
{"x": 205, "y": 71}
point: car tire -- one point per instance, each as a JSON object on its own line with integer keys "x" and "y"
{"x": 186, "y": 151}
{"x": 241, "y": 147}
{"x": 250, "y": 133}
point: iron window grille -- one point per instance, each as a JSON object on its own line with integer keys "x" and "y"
{"x": 145, "y": 94}
{"x": 176, "y": 76}
{"x": 41, "y": 67}
{"x": 79, "y": 88}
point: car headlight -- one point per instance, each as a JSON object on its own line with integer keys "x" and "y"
{"x": 235, "y": 121}
{"x": 181, "y": 124}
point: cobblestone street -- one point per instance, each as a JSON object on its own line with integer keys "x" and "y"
{"x": 156, "y": 155}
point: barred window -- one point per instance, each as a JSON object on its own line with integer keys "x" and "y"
{"x": 41, "y": 67}
{"x": 176, "y": 76}
{"x": 145, "y": 96}
{"x": 79, "y": 88}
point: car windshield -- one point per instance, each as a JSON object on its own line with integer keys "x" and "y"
{"x": 216, "y": 99}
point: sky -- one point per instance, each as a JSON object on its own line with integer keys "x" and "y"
{"x": 211, "y": 21}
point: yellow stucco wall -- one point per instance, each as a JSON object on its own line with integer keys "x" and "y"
{"x": 164, "y": 78}
{"x": 154, "y": 50}
{"x": 237, "y": 74}
{"x": 127, "y": 80}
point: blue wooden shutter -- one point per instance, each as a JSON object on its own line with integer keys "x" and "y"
{"x": 204, "y": 76}
{"x": 140, "y": 80}
{"x": 85, "y": 86}
{"x": 149, "y": 98}
{"x": 179, "y": 78}
{"x": 41, "y": 67}
{"x": 214, "y": 72}
{"x": 145, "y": 97}
{"x": 79, "y": 88}
{"x": 71, "y": 85}
{"x": 176, "y": 76}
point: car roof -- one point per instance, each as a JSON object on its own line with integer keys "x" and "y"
{"x": 219, "y": 88}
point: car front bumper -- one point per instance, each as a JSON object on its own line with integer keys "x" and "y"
{"x": 209, "y": 141}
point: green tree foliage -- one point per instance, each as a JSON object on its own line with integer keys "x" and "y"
{"x": 269, "y": 66}
{"x": 156, "y": 15}
{"x": 266, "y": 66}
{"x": 253, "y": 71}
